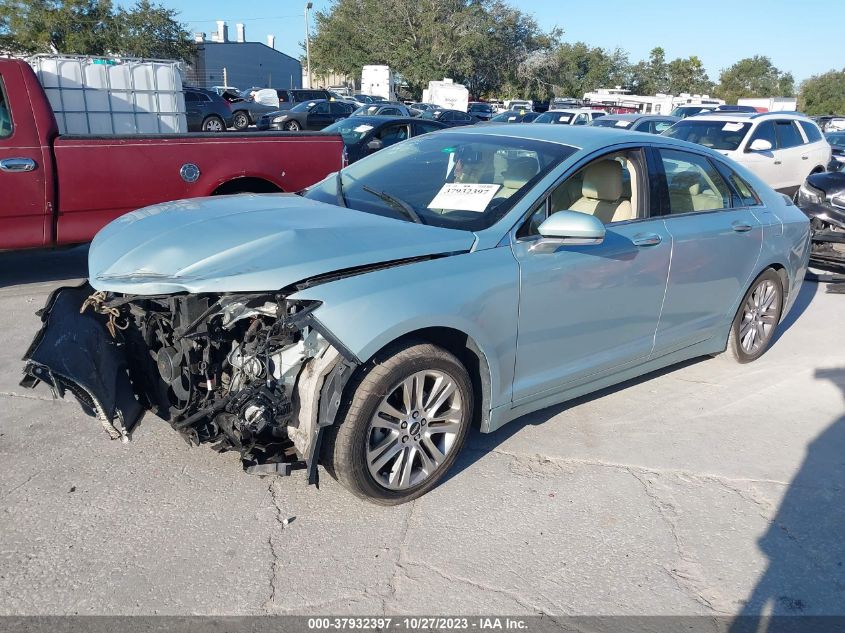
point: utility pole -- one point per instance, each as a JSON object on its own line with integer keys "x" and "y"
{"x": 308, "y": 42}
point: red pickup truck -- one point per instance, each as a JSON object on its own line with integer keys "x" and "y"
{"x": 57, "y": 190}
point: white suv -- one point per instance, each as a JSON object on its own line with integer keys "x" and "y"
{"x": 782, "y": 149}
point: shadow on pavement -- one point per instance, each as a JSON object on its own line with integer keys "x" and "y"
{"x": 805, "y": 543}
{"x": 38, "y": 266}
{"x": 802, "y": 302}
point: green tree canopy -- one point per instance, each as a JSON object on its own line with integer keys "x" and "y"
{"x": 573, "y": 69}
{"x": 823, "y": 94}
{"x": 477, "y": 42}
{"x": 92, "y": 27}
{"x": 754, "y": 77}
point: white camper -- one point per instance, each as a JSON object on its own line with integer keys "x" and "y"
{"x": 378, "y": 81}
{"x": 106, "y": 96}
{"x": 771, "y": 104}
{"x": 447, "y": 94}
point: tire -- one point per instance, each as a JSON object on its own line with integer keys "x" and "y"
{"x": 240, "y": 121}
{"x": 395, "y": 461}
{"x": 747, "y": 343}
{"x": 213, "y": 124}
{"x": 293, "y": 126}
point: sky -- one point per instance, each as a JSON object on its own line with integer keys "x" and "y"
{"x": 795, "y": 34}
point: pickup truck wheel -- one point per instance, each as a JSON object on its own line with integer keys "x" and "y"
{"x": 213, "y": 124}
{"x": 758, "y": 316}
{"x": 293, "y": 126}
{"x": 405, "y": 420}
{"x": 241, "y": 121}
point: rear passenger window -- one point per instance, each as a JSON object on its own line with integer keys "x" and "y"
{"x": 747, "y": 196}
{"x": 5, "y": 115}
{"x": 693, "y": 182}
{"x": 813, "y": 133}
{"x": 788, "y": 134}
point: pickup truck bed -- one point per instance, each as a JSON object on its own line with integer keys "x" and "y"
{"x": 57, "y": 190}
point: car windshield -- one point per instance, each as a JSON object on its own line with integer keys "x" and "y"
{"x": 453, "y": 180}
{"x": 837, "y": 139}
{"x": 608, "y": 122}
{"x": 367, "y": 110}
{"x": 480, "y": 107}
{"x": 305, "y": 106}
{"x": 506, "y": 116}
{"x": 719, "y": 135}
{"x": 351, "y": 130}
{"x": 554, "y": 117}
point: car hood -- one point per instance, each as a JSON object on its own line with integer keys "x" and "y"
{"x": 251, "y": 243}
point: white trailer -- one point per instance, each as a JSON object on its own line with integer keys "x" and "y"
{"x": 447, "y": 94}
{"x": 107, "y": 96}
{"x": 378, "y": 81}
{"x": 771, "y": 104}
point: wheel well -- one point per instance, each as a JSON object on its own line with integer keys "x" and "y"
{"x": 818, "y": 170}
{"x": 470, "y": 355}
{"x": 246, "y": 185}
{"x": 780, "y": 269}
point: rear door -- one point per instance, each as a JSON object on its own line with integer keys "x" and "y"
{"x": 716, "y": 240}
{"x": 338, "y": 110}
{"x": 768, "y": 164}
{"x": 25, "y": 169}
{"x": 794, "y": 155}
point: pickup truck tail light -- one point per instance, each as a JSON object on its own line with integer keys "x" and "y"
{"x": 344, "y": 158}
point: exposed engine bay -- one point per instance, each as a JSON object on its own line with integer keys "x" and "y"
{"x": 249, "y": 372}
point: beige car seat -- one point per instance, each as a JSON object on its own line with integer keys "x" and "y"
{"x": 519, "y": 171}
{"x": 601, "y": 193}
{"x": 686, "y": 194}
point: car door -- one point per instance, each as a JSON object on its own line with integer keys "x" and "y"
{"x": 588, "y": 311}
{"x": 319, "y": 116}
{"x": 26, "y": 173}
{"x": 793, "y": 154}
{"x": 193, "y": 113}
{"x": 717, "y": 239}
{"x": 338, "y": 111}
{"x": 766, "y": 164}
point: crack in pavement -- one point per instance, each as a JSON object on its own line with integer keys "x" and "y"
{"x": 12, "y": 394}
{"x": 399, "y": 565}
{"x": 274, "y": 556}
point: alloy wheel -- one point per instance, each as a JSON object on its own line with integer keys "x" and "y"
{"x": 414, "y": 429}
{"x": 759, "y": 317}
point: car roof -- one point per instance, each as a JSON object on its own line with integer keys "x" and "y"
{"x": 577, "y": 110}
{"x": 380, "y": 120}
{"x": 637, "y": 117}
{"x": 749, "y": 116}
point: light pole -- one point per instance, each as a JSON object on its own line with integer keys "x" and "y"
{"x": 308, "y": 42}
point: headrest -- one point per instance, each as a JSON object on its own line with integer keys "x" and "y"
{"x": 519, "y": 172}
{"x": 603, "y": 181}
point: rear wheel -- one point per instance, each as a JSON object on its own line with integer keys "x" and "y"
{"x": 213, "y": 124}
{"x": 240, "y": 121}
{"x": 759, "y": 313}
{"x": 405, "y": 421}
{"x": 293, "y": 126}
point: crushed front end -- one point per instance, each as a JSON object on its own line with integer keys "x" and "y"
{"x": 246, "y": 372}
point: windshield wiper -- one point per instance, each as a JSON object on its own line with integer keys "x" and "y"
{"x": 341, "y": 201}
{"x": 396, "y": 203}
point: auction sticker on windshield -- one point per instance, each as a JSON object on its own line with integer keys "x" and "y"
{"x": 463, "y": 196}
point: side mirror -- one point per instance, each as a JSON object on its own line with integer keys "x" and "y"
{"x": 375, "y": 145}
{"x": 760, "y": 145}
{"x": 569, "y": 228}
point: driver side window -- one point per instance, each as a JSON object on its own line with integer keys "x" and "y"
{"x": 607, "y": 188}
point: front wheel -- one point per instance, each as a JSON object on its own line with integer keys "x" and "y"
{"x": 759, "y": 313}
{"x": 293, "y": 126}
{"x": 405, "y": 421}
{"x": 213, "y": 124}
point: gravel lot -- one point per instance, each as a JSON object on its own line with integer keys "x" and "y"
{"x": 711, "y": 488}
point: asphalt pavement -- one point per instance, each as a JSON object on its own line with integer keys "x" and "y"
{"x": 710, "y": 488}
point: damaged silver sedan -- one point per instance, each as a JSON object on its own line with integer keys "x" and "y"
{"x": 457, "y": 278}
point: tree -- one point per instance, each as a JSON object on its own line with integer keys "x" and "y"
{"x": 652, "y": 76}
{"x": 80, "y": 27}
{"x": 149, "y": 30}
{"x": 91, "y": 27}
{"x": 754, "y": 77}
{"x": 688, "y": 75}
{"x": 477, "y": 42}
{"x": 573, "y": 69}
{"x": 823, "y": 94}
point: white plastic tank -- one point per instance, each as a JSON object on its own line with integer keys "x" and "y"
{"x": 111, "y": 96}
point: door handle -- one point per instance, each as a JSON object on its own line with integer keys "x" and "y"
{"x": 777, "y": 162}
{"x": 17, "y": 164}
{"x": 647, "y": 239}
{"x": 741, "y": 227}
{"x": 804, "y": 157}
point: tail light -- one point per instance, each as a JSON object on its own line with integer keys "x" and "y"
{"x": 344, "y": 158}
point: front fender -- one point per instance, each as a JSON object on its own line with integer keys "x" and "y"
{"x": 475, "y": 293}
